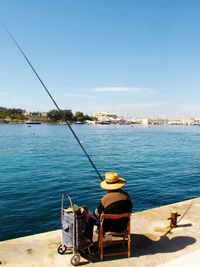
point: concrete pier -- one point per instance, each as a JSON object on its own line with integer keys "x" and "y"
{"x": 154, "y": 243}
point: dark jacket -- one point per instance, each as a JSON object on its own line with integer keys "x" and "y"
{"x": 115, "y": 202}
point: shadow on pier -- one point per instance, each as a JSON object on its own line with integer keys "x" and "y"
{"x": 142, "y": 245}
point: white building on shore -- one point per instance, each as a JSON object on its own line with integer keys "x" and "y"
{"x": 102, "y": 117}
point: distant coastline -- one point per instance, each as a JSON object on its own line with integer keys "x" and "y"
{"x": 20, "y": 116}
{"x": 89, "y": 122}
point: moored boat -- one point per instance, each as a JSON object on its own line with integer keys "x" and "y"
{"x": 32, "y": 122}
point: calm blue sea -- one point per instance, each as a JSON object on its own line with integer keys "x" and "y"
{"x": 38, "y": 164}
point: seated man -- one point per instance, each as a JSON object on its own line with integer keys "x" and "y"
{"x": 116, "y": 201}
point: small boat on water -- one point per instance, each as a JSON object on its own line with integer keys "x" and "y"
{"x": 79, "y": 122}
{"x": 32, "y": 122}
{"x": 104, "y": 122}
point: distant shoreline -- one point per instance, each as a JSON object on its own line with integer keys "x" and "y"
{"x": 96, "y": 123}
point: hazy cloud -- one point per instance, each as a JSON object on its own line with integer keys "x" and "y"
{"x": 131, "y": 108}
{"x": 128, "y": 90}
{"x": 189, "y": 107}
{"x": 78, "y": 95}
{"x": 143, "y": 105}
{"x": 3, "y": 94}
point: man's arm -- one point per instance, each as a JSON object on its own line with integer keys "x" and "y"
{"x": 99, "y": 210}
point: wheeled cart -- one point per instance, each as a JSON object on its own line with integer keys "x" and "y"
{"x": 73, "y": 235}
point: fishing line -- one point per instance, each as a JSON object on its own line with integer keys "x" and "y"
{"x": 44, "y": 86}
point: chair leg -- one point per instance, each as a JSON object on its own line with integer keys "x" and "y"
{"x": 101, "y": 252}
{"x": 101, "y": 248}
{"x": 129, "y": 246}
{"x": 100, "y": 241}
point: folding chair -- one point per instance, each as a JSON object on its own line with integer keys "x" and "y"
{"x": 125, "y": 233}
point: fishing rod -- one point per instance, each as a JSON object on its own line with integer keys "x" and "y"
{"x": 48, "y": 92}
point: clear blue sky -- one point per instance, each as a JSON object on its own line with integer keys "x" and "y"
{"x": 136, "y": 58}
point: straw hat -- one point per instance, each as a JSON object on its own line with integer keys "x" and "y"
{"x": 112, "y": 181}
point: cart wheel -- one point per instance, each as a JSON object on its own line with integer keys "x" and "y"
{"x": 61, "y": 249}
{"x": 75, "y": 259}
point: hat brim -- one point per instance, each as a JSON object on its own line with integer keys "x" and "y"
{"x": 114, "y": 186}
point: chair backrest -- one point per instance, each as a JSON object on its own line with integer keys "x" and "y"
{"x": 115, "y": 222}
